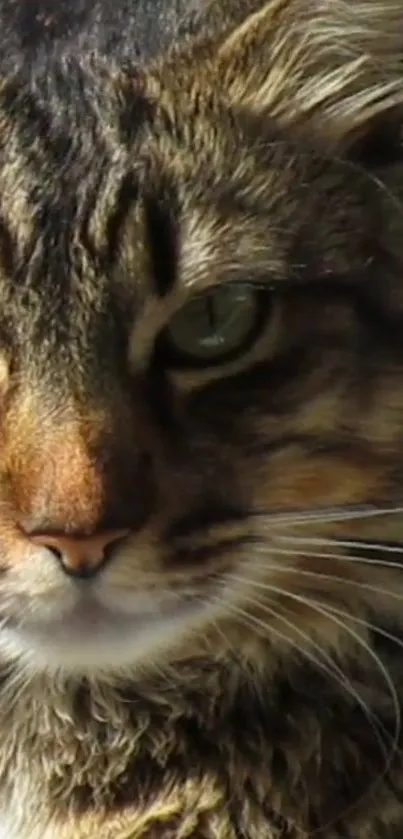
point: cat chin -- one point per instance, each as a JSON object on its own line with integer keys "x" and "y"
{"x": 114, "y": 645}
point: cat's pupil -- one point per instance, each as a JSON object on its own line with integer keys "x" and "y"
{"x": 210, "y": 312}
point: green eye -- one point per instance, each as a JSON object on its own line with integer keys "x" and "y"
{"x": 215, "y": 327}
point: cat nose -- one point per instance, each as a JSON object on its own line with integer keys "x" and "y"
{"x": 81, "y": 556}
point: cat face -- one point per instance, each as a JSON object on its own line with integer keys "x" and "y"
{"x": 201, "y": 352}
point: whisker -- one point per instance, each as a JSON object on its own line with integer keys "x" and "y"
{"x": 329, "y": 514}
{"x": 394, "y": 738}
{"x": 17, "y": 681}
{"x": 286, "y": 569}
{"x": 373, "y": 179}
{"x": 268, "y": 587}
{"x": 384, "y": 634}
{"x": 310, "y": 602}
{"x": 324, "y": 555}
{"x": 388, "y": 681}
{"x": 345, "y": 543}
{"x": 224, "y": 637}
{"x": 254, "y": 621}
{"x": 330, "y": 668}
{"x": 372, "y": 626}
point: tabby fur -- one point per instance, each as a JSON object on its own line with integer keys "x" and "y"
{"x": 145, "y": 158}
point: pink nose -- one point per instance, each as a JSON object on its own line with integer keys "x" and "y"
{"x": 80, "y": 556}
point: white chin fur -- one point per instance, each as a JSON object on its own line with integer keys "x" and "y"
{"x": 105, "y": 650}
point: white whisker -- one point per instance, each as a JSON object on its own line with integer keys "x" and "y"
{"x": 344, "y": 543}
{"x": 311, "y": 603}
{"x": 322, "y": 610}
{"x": 327, "y": 515}
{"x": 324, "y": 555}
{"x": 287, "y": 569}
{"x": 224, "y": 638}
{"x": 325, "y": 663}
{"x": 373, "y": 179}
{"x": 330, "y": 668}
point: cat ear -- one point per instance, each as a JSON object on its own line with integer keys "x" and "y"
{"x": 334, "y": 67}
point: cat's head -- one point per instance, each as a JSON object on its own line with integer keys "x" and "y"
{"x": 201, "y": 341}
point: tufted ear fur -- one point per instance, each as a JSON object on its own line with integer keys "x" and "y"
{"x": 334, "y": 67}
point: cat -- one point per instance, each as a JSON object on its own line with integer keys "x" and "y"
{"x": 201, "y": 419}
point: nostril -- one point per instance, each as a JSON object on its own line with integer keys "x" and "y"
{"x": 109, "y": 551}
{"x": 55, "y": 551}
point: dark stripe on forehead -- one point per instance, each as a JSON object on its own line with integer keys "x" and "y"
{"x": 53, "y": 110}
{"x": 162, "y": 238}
{"x": 125, "y": 199}
{"x": 7, "y": 249}
{"x": 31, "y": 117}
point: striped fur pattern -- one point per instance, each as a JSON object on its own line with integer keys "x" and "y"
{"x": 246, "y": 678}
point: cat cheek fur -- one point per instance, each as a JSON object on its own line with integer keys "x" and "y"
{"x": 264, "y": 147}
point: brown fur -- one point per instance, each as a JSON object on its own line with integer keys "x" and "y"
{"x": 263, "y": 146}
